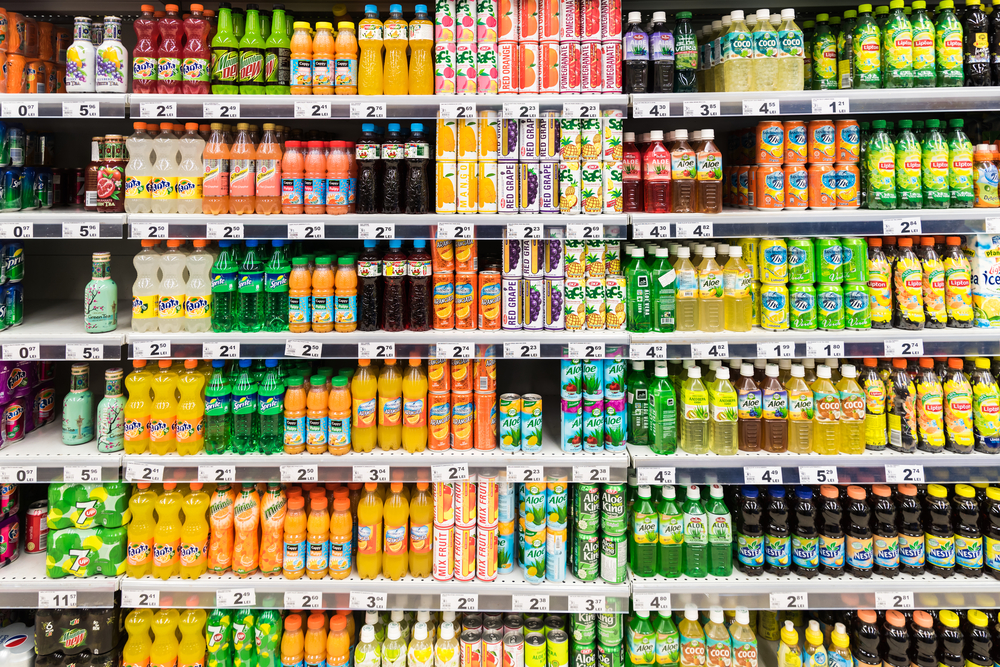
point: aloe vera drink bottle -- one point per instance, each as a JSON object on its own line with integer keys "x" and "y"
{"x": 638, "y": 404}
{"x": 663, "y": 413}
{"x": 645, "y": 535}
{"x": 695, "y": 562}
{"x": 641, "y": 639}
{"x": 720, "y": 534}
{"x": 671, "y": 535}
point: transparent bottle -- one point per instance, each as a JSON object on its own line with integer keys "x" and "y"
{"x": 765, "y": 54}
{"x": 191, "y": 170}
{"x": 639, "y": 291}
{"x": 718, "y": 72}
{"x": 774, "y": 411}
{"x": 789, "y": 652}
{"x": 198, "y": 289}
{"x": 897, "y": 45}
{"x": 683, "y": 174}
{"x": 737, "y": 55}
{"x": 687, "y": 291}
{"x": 826, "y": 415}
{"x": 749, "y": 410}
{"x": 717, "y": 641}
{"x": 790, "y": 52}
{"x": 662, "y": 413}
{"x": 165, "y": 171}
{"x": 852, "y": 412}
{"x": 146, "y": 288}
{"x": 711, "y": 312}
{"x": 722, "y": 400}
{"x": 695, "y": 560}
{"x": 693, "y": 413}
{"x": 737, "y": 284}
{"x": 139, "y": 171}
{"x": 709, "y": 164}
{"x": 800, "y": 411}
{"x": 171, "y": 292}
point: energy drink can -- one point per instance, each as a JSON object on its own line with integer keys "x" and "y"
{"x": 613, "y": 519}
{"x": 510, "y": 422}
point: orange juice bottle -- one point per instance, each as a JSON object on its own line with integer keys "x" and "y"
{"x": 421, "y": 41}
{"x": 348, "y": 617}
{"x": 323, "y": 65}
{"x": 340, "y": 417}
{"x": 315, "y": 640}
{"x": 314, "y": 185}
{"x": 194, "y": 533}
{"x": 370, "y": 533}
{"x": 346, "y": 284}
{"x": 220, "y": 537}
{"x": 341, "y": 538}
{"x": 346, "y": 56}
{"x": 338, "y": 179}
{"x": 293, "y": 171}
{"x": 317, "y": 422}
{"x": 414, "y": 432}
{"x": 421, "y": 518}
{"x": 338, "y": 643}
{"x": 293, "y": 563}
{"x": 268, "y": 173}
{"x": 301, "y": 66}
{"x": 299, "y": 296}
{"x": 322, "y": 295}
{"x": 390, "y": 406}
{"x": 246, "y": 522}
{"x": 272, "y": 529}
{"x": 295, "y": 416}
{"x": 364, "y": 388}
{"x": 242, "y": 162}
{"x": 370, "y": 41}
{"x": 317, "y": 538}
{"x": 395, "y": 80}
{"x": 397, "y": 512}
{"x": 292, "y": 642}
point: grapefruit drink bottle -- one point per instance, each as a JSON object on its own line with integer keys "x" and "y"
{"x": 370, "y": 533}
{"x": 314, "y": 186}
{"x": 370, "y": 41}
{"x": 395, "y": 80}
{"x": 242, "y": 162}
{"x": 323, "y": 59}
{"x": 341, "y": 538}
{"x": 140, "y": 533}
{"x": 194, "y": 533}
{"x": 345, "y": 81}
{"x": 396, "y": 511}
{"x": 301, "y": 65}
{"x": 421, "y": 517}
{"x": 268, "y": 173}
{"x": 167, "y": 535}
{"x": 339, "y": 440}
{"x": 215, "y": 183}
{"x": 364, "y": 387}
{"x": 293, "y": 168}
{"x": 338, "y": 180}
{"x": 421, "y": 59}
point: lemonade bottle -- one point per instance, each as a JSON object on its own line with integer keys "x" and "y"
{"x": 390, "y": 406}
{"x": 790, "y": 52}
{"x": 826, "y": 413}
{"x": 414, "y": 430}
{"x": 338, "y": 643}
{"x": 272, "y": 527}
{"x": 140, "y": 532}
{"x": 852, "y": 412}
{"x": 339, "y": 403}
{"x": 324, "y": 65}
{"x": 163, "y": 652}
{"x": 341, "y": 539}
{"x": 800, "y": 411}
{"x": 370, "y": 64}
{"x": 191, "y": 651}
{"x": 318, "y": 538}
{"x": 446, "y": 650}
{"x": 395, "y": 78}
{"x": 190, "y": 410}
{"x": 737, "y": 55}
{"x": 137, "y": 409}
{"x": 396, "y": 512}
{"x": 421, "y": 517}
{"x": 246, "y": 525}
{"x": 194, "y": 534}
{"x": 315, "y": 639}
{"x": 220, "y": 541}
{"x": 292, "y": 642}
{"x": 421, "y": 651}
{"x": 370, "y": 533}
{"x": 421, "y": 41}
{"x": 163, "y": 416}
{"x": 293, "y": 563}
{"x": 167, "y": 534}
{"x": 364, "y": 387}
{"x": 137, "y": 648}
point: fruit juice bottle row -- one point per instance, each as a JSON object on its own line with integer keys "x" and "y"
{"x": 593, "y": 413}
{"x": 672, "y": 175}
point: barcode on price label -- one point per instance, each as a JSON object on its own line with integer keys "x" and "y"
{"x": 300, "y": 473}
{"x": 303, "y": 600}
{"x": 456, "y": 602}
{"x": 789, "y": 600}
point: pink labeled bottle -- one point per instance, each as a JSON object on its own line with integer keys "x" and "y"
{"x": 315, "y": 181}
{"x": 242, "y": 172}
{"x": 631, "y": 175}
{"x": 656, "y": 174}
{"x": 338, "y": 180}
{"x": 168, "y": 56}
{"x": 196, "y": 56}
{"x": 292, "y": 177}
{"x": 683, "y": 172}
{"x": 268, "y": 173}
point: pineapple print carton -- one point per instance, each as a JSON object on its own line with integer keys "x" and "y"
{"x": 576, "y": 253}
{"x": 613, "y": 151}
{"x": 594, "y": 259}
{"x": 614, "y": 302}
{"x": 574, "y": 308}
{"x": 612, "y": 184}
{"x": 591, "y": 144}
{"x": 569, "y": 188}
{"x": 594, "y": 296}
{"x": 569, "y": 139}
{"x": 612, "y": 257}
{"x": 591, "y": 178}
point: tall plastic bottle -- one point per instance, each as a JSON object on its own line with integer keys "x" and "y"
{"x": 165, "y": 644}
{"x": 800, "y": 411}
{"x": 190, "y": 410}
{"x": 141, "y": 532}
{"x": 163, "y": 187}
{"x": 723, "y": 401}
{"x": 897, "y": 45}
{"x": 789, "y": 651}
{"x": 146, "y": 289}
{"x": 139, "y": 170}
{"x": 250, "y": 290}
{"x": 170, "y": 308}
{"x": 711, "y": 311}
{"x": 218, "y": 416}
{"x": 252, "y": 54}
{"x": 395, "y": 79}
{"x": 644, "y": 537}
{"x": 225, "y": 56}
{"x": 902, "y": 411}
{"x": 790, "y": 52}
{"x": 215, "y": 181}
{"x": 976, "y": 47}
{"x": 687, "y": 291}
{"x": 958, "y": 421}
{"x": 277, "y": 58}
{"x": 867, "y": 47}
{"x": 267, "y": 173}
{"x": 826, "y": 415}
{"x": 859, "y": 538}
{"x": 935, "y": 167}
{"x": 370, "y": 28}
{"x": 196, "y": 56}
{"x": 656, "y": 173}
{"x": 924, "y": 62}
{"x": 738, "y": 56}
{"x": 346, "y": 60}
{"x": 960, "y": 154}
{"x": 194, "y": 533}
{"x": 167, "y": 535}
{"x": 720, "y": 534}
{"x": 244, "y": 436}
{"x": 190, "y": 171}
{"x": 663, "y": 413}
{"x": 852, "y": 412}
{"x": 168, "y": 60}
{"x": 749, "y": 410}
{"x": 144, "y": 54}
{"x": 324, "y": 65}
{"x": 364, "y": 388}
{"x": 824, "y": 55}
{"x": 270, "y": 413}
{"x": 683, "y": 174}
{"x": 695, "y": 559}
{"x": 242, "y": 171}
{"x": 300, "y": 59}
{"x": 370, "y": 533}
{"x": 948, "y": 46}
{"x": 693, "y": 413}
{"x": 774, "y": 411}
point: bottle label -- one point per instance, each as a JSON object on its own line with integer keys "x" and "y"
{"x": 777, "y": 550}
{"x": 364, "y": 413}
{"x": 859, "y": 552}
{"x": 908, "y": 166}
{"x": 887, "y": 550}
{"x": 923, "y": 49}
{"x": 737, "y": 45}
{"x": 775, "y": 405}
{"x": 419, "y": 268}
{"x": 390, "y": 411}
{"x": 369, "y": 30}
{"x": 347, "y": 309}
{"x": 684, "y": 166}
{"x": 144, "y": 68}
{"x": 189, "y": 187}
{"x": 958, "y": 410}
{"x": 710, "y": 284}
{"x": 217, "y": 405}
{"x": 251, "y": 65}
{"x": 694, "y": 404}
{"x": 935, "y": 166}
{"x": 992, "y": 557}
{"x": 636, "y": 46}
{"x": 340, "y": 553}
{"x": 827, "y": 406}
{"x": 852, "y": 405}
{"x": 216, "y": 180}
{"x": 414, "y": 414}
{"x": 948, "y": 45}
{"x": 367, "y": 151}
{"x": 168, "y": 69}
{"x": 225, "y": 65}
{"x": 692, "y": 650}
{"x": 268, "y": 178}
{"x": 825, "y": 59}
{"x": 338, "y": 191}
{"x": 369, "y": 538}
{"x": 295, "y": 431}
{"x": 345, "y": 72}
{"x": 750, "y": 550}
{"x": 137, "y": 187}
{"x": 668, "y": 648}
{"x": 299, "y": 310}
{"x": 394, "y": 268}
{"x": 745, "y": 653}
{"x": 790, "y": 44}
{"x": 314, "y": 191}
{"x": 241, "y": 178}
{"x": 322, "y": 74}
{"x": 709, "y": 166}
{"x": 899, "y": 49}
{"x": 339, "y": 432}
{"x": 750, "y": 404}
{"x": 171, "y": 306}
{"x": 687, "y": 51}
{"x": 765, "y": 44}
{"x": 292, "y": 191}
{"x": 417, "y": 150}
{"x": 879, "y": 290}
{"x": 250, "y": 283}
{"x": 144, "y": 307}
{"x": 930, "y": 410}
{"x": 805, "y": 551}
{"x": 644, "y": 528}
{"x": 719, "y": 652}
{"x": 800, "y": 405}
{"x": 193, "y": 554}
{"x": 140, "y": 553}
{"x": 867, "y": 62}
{"x": 671, "y": 529}
{"x": 276, "y": 65}
{"x": 395, "y": 540}
{"x": 275, "y": 282}
{"x": 195, "y": 70}
{"x": 911, "y": 551}
{"x": 136, "y": 430}
{"x": 831, "y": 551}
{"x": 301, "y": 72}
{"x": 940, "y": 550}
{"x": 318, "y": 559}
{"x": 163, "y": 187}
{"x": 189, "y": 430}
{"x": 980, "y": 51}
{"x": 986, "y": 178}
{"x": 420, "y": 538}
{"x": 661, "y": 46}
{"x": 165, "y": 554}
{"x": 723, "y": 405}
{"x": 986, "y": 408}
{"x": 317, "y": 429}
{"x": 958, "y": 288}
{"x": 322, "y": 310}
{"x": 969, "y": 552}
{"x": 369, "y": 268}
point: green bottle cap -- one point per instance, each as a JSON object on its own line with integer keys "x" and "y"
{"x": 822, "y": 17}
{"x": 878, "y": 124}
{"x": 881, "y": 9}
{"x": 867, "y": 9}
{"x": 683, "y": 15}
{"x": 896, "y": 4}
{"x": 808, "y": 24}
{"x": 850, "y": 14}
{"x": 956, "y": 122}
{"x": 919, "y": 4}
{"x": 905, "y": 124}
{"x": 933, "y": 123}
{"x": 946, "y": 4}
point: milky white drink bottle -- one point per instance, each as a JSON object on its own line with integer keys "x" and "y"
{"x": 190, "y": 171}
{"x": 146, "y": 288}
{"x": 198, "y": 291}
{"x": 139, "y": 171}
{"x": 172, "y": 298}
{"x": 164, "y": 184}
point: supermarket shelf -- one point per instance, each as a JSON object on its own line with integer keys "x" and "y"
{"x": 53, "y": 330}
{"x": 61, "y": 223}
{"x": 23, "y": 584}
{"x": 64, "y": 105}
{"x": 356, "y": 226}
{"x": 406, "y": 593}
{"x": 42, "y": 457}
{"x": 896, "y": 101}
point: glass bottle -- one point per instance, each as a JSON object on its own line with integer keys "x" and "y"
{"x": 80, "y": 59}
{"x": 91, "y": 173}
{"x": 100, "y": 297}
{"x": 78, "y": 408}
{"x": 112, "y": 59}
{"x": 111, "y": 413}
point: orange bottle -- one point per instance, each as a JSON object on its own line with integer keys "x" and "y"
{"x": 341, "y": 538}
{"x": 272, "y": 528}
{"x": 314, "y": 186}
{"x": 247, "y": 524}
{"x": 338, "y": 179}
{"x": 317, "y": 539}
{"x": 348, "y": 617}
{"x": 293, "y": 167}
{"x": 315, "y": 640}
{"x": 292, "y": 644}
{"x": 317, "y": 424}
{"x": 346, "y": 51}
{"x": 215, "y": 184}
{"x": 322, "y": 295}
{"x": 338, "y": 642}
{"x": 346, "y": 284}
{"x": 300, "y": 68}
{"x": 352, "y": 169}
{"x": 220, "y": 521}
{"x": 295, "y": 416}
{"x": 293, "y": 565}
{"x": 242, "y": 163}
{"x": 323, "y": 64}
{"x": 300, "y": 298}
{"x": 340, "y": 417}
{"x": 268, "y": 174}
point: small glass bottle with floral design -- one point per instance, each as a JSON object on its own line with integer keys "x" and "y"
{"x": 111, "y": 413}
{"x": 100, "y": 297}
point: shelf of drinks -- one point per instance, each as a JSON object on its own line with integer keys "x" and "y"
{"x": 61, "y": 223}
{"x": 871, "y": 467}
{"x": 63, "y": 105}
{"x": 54, "y": 331}
{"x": 822, "y": 103}
{"x": 24, "y": 585}
{"x": 359, "y": 226}
{"x": 373, "y": 108}
{"x": 42, "y": 457}
{"x": 508, "y": 592}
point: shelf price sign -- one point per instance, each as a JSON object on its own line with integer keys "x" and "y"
{"x": 911, "y": 347}
{"x": 19, "y": 109}
{"x": 659, "y": 476}
{"x": 529, "y": 603}
{"x": 706, "y": 108}
{"x": 582, "y": 604}
{"x": 760, "y": 107}
{"x": 20, "y": 352}
{"x": 904, "y": 474}
{"x": 459, "y": 602}
{"x": 312, "y": 110}
{"x": 465, "y": 111}
{"x": 300, "y": 473}
{"x": 652, "y": 602}
{"x": 81, "y": 109}
{"x": 524, "y": 350}
{"x": 144, "y": 598}
{"x": 56, "y": 599}
{"x": 216, "y": 110}
{"x": 236, "y": 597}
{"x": 369, "y": 601}
{"x": 788, "y": 600}
{"x": 303, "y": 600}
{"x": 451, "y": 472}
{"x": 367, "y": 109}
{"x": 894, "y": 600}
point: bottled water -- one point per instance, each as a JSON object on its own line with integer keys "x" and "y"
{"x": 172, "y": 298}
{"x": 146, "y": 289}
{"x": 198, "y": 292}
{"x": 164, "y": 184}
{"x": 191, "y": 170}
{"x": 139, "y": 171}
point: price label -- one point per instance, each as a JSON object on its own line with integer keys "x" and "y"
{"x": 647, "y": 351}
{"x": 453, "y": 351}
{"x": 584, "y": 232}
{"x": 709, "y": 350}
{"x": 313, "y": 110}
{"x": 17, "y": 230}
{"x": 19, "y": 474}
{"x": 21, "y": 351}
{"x": 586, "y": 350}
{"x": 525, "y": 473}
{"x": 216, "y": 473}
{"x": 303, "y": 600}
{"x": 901, "y": 226}
{"x": 706, "y": 108}
{"x": 369, "y": 601}
{"x": 762, "y": 475}
{"x": 789, "y": 600}
{"x": 525, "y": 350}
{"x": 81, "y": 230}
{"x": 453, "y": 472}
{"x": 144, "y": 472}
{"x": 818, "y": 475}
{"x": 822, "y": 350}
{"x": 150, "y": 349}
{"x": 81, "y": 109}
{"x": 373, "y": 231}
{"x": 577, "y": 110}
{"x": 84, "y": 352}
{"x": 56, "y": 599}
{"x": 236, "y": 597}
{"x": 217, "y": 110}
{"x": 694, "y": 230}
{"x": 642, "y": 109}
{"x": 582, "y": 604}
{"x": 19, "y": 109}
{"x": 652, "y": 602}
{"x": 303, "y": 231}
{"x": 523, "y": 230}
{"x": 783, "y": 350}
{"x": 81, "y": 474}
{"x": 991, "y": 225}
{"x": 377, "y": 350}
{"x": 370, "y": 474}
{"x": 591, "y": 474}
{"x": 904, "y": 474}
{"x": 657, "y": 476}
{"x": 529, "y": 603}
{"x": 648, "y": 230}
{"x": 831, "y": 105}
{"x": 455, "y": 602}
{"x": 760, "y": 107}
{"x": 455, "y": 230}
{"x": 141, "y": 230}
{"x": 913, "y": 347}
{"x": 300, "y": 473}
{"x": 464, "y": 111}
{"x": 224, "y": 230}
{"x": 894, "y": 600}
{"x": 303, "y": 348}
{"x": 158, "y": 110}
{"x": 520, "y": 110}
{"x": 220, "y": 350}
{"x": 150, "y": 598}
{"x": 367, "y": 109}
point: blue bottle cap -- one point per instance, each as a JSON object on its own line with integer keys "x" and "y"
{"x": 367, "y": 127}
{"x": 252, "y": 243}
{"x": 395, "y": 9}
{"x": 245, "y": 363}
{"x": 749, "y": 491}
{"x": 219, "y": 363}
{"x": 277, "y": 243}
{"x": 416, "y": 127}
{"x": 395, "y": 243}
{"x": 394, "y": 127}
{"x": 420, "y": 9}
{"x": 419, "y": 243}
{"x": 370, "y": 244}
{"x": 803, "y": 492}
{"x": 776, "y": 491}
{"x": 225, "y": 244}
{"x": 371, "y": 9}
{"x": 270, "y": 363}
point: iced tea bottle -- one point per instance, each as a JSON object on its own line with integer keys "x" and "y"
{"x": 709, "y": 159}
{"x": 749, "y": 401}
{"x": 774, "y": 415}
{"x": 683, "y": 171}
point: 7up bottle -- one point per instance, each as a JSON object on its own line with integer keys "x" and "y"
{"x": 252, "y": 52}
{"x": 225, "y": 56}
{"x": 695, "y": 534}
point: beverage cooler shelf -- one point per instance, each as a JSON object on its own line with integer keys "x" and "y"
{"x": 53, "y": 330}
{"x": 42, "y": 457}
{"x": 23, "y": 585}
{"x": 61, "y": 223}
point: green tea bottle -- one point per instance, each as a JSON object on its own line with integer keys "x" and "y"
{"x": 78, "y": 408}
{"x": 881, "y": 161}
{"x": 960, "y": 182}
{"x": 934, "y": 166}
{"x": 908, "y": 183}
{"x": 948, "y": 44}
{"x": 867, "y": 50}
{"x": 923, "y": 46}
{"x": 845, "y": 50}
{"x": 824, "y": 55}
{"x": 897, "y": 44}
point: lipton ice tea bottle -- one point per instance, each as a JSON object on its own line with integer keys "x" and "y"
{"x": 293, "y": 167}
{"x": 314, "y": 190}
{"x": 268, "y": 173}
{"x": 370, "y": 41}
{"x": 301, "y": 69}
{"x": 215, "y": 184}
{"x": 323, "y": 60}
{"x": 370, "y": 532}
{"x": 243, "y": 157}
{"x": 345, "y": 53}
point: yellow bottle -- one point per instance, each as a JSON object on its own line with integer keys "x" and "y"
{"x": 370, "y": 62}
{"x": 414, "y": 433}
{"x": 191, "y": 651}
{"x": 163, "y": 416}
{"x": 397, "y": 513}
{"x": 163, "y": 653}
{"x": 364, "y": 389}
{"x": 800, "y": 404}
{"x": 421, "y": 58}
{"x": 137, "y": 408}
{"x": 826, "y": 413}
{"x": 137, "y": 648}
{"x": 390, "y": 406}
{"x": 395, "y": 80}
{"x": 370, "y": 533}
{"x": 167, "y": 535}
{"x": 710, "y": 308}
{"x": 194, "y": 533}
{"x": 852, "y": 412}
{"x": 737, "y": 283}
{"x": 421, "y": 519}
{"x": 190, "y": 410}
{"x": 140, "y": 533}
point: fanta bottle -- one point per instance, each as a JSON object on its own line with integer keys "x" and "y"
{"x": 370, "y": 533}
{"x": 272, "y": 529}
{"x": 196, "y": 57}
{"x": 293, "y": 563}
{"x": 346, "y": 60}
{"x": 295, "y": 416}
{"x": 317, "y": 538}
{"x": 421, "y": 41}
{"x": 338, "y": 180}
{"x": 341, "y": 538}
{"x": 168, "y": 61}
{"x": 140, "y": 534}
{"x": 395, "y": 79}
{"x": 194, "y": 534}
{"x": 314, "y": 185}
{"x": 292, "y": 178}
{"x": 163, "y": 652}
{"x": 414, "y": 429}
{"x": 339, "y": 439}
{"x": 323, "y": 59}
{"x": 246, "y": 522}
{"x": 137, "y": 409}
{"x": 370, "y": 41}
{"x": 268, "y": 173}
{"x": 215, "y": 184}
{"x": 242, "y": 164}
{"x": 144, "y": 54}
{"x": 317, "y": 420}
{"x": 301, "y": 66}
{"x": 292, "y": 642}
{"x": 397, "y": 512}
{"x": 190, "y": 410}
{"x": 138, "y": 646}
{"x": 338, "y": 643}
{"x": 390, "y": 406}
{"x": 163, "y": 416}
{"x": 191, "y": 651}
{"x": 221, "y": 518}
{"x": 299, "y": 296}
{"x": 167, "y": 535}
{"x": 364, "y": 388}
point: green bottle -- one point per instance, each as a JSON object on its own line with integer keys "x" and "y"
{"x": 908, "y": 181}
{"x": 923, "y": 46}
{"x": 824, "y": 50}
{"x": 265, "y": 23}
{"x": 244, "y": 620}
{"x": 948, "y": 44}
{"x": 78, "y": 408}
{"x": 645, "y": 534}
{"x": 934, "y": 166}
{"x": 639, "y": 291}
{"x": 268, "y": 638}
{"x": 867, "y": 50}
{"x": 218, "y": 416}
{"x": 881, "y": 16}
{"x": 881, "y": 160}
{"x": 664, "y": 293}
{"x": 807, "y": 62}
{"x": 720, "y": 534}
{"x": 219, "y": 635}
{"x": 959, "y": 165}
{"x": 278, "y": 56}
{"x": 897, "y": 45}
{"x": 641, "y": 639}
{"x": 845, "y": 50}
{"x": 671, "y": 528}
{"x": 668, "y": 641}
{"x": 252, "y": 48}
{"x": 638, "y": 405}
{"x": 663, "y": 414}
{"x": 695, "y": 534}
{"x": 225, "y": 57}
{"x": 239, "y": 21}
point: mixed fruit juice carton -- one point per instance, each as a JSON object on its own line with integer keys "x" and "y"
{"x": 985, "y": 259}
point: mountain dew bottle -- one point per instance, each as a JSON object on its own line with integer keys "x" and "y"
{"x": 934, "y": 166}
{"x": 867, "y": 50}
{"x": 641, "y": 640}
{"x": 960, "y": 183}
{"x": 897, "y": 45}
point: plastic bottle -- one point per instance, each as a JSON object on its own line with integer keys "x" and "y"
{"x": 738, "y": 54}
{"x": 246, "y": 528}
{"x": 345, "y": 60}
{"x": 396, "y": 514}
{"x": 711, "y": 311}
{"x": 270, "y": 399}
{"x": 684, "y": 174}
{"x": 292, "y": 178}
{"x": 390, "y": 406}
{"x": 370, "y": 65}
{"x": 886, "y": 537}
{"x": 832, "y": 545}
{"x": 656, "y": 172}
{"x": 859, "y": 540}
{"x": 418, "y": 168}
{"x": 194, "y": 534}
{"x": 395, "y": 79}
{"x": 852, "y": 412}
{"x": 826, "y": 415}
{"x": 901, "y": 403}
{"x": 167, "y": 534}
{"x": 976, "y": 45}
{"x": 421, "y": 42}
{"x": 939, "y": 534}
{"x": 749, "y": 533}
{"x": 695, "y": 544}
{"x": 339, "y": 418}
{"x": 910, "y": 530}
{"x": 693, "y": 413}
{"x": 317, "y": 424}
{"x": 720, "y": 534}
{"x": 338, "y": 643}
{"x": 276, "y": 279}
{"x": 138, "y": 623}
{"x": 369, "y": 533}
{"x": 139, "y": 170}
{"x": 805, "y": 534}
{"x": 268, "y": 173}
{"x": 163, "y": 186}
{"x": 414, "y": 426}
{"x": 801, "y": 410}
{"x": 774, "y": 412}
{"x": 190, "y": 411}
{"x": 640, "y": 639}
{"x": 168, "y": 55}
{"x": 789, "y": 652}
{"x": 215, "y": 183}
{"x": 301, "y": 64}
{"x": 220, "y": 539}
{"x": 935, "y": 167}
{"x": 960, "y": 183}
{"x": 749, "y": 410}
{"x": 164, "y": 648}
{"x": 420, "y": 653}
{"x": 225, "y": 56}
{"x": 190, "y": 171}
{"x": 866, "y": 49}
{"x": 908, "y": 283}
{"x": 294, "y": 416}
{"x": 723, "y": 401}
{"x": 985, "y": 407}
{"x": 144, "y": 64}
{"x": 824, "y": 55}
{"x": 421, "y": 517}
{"x": 323, "y": 63}
{"x": 141, "y": 530}
{"x": 777, "y": 537}
{"x": 897, "y": 45}
{"x": 948, "y": 46}
{"x": 244, "y": 406}
{"x": 687, "y": 291}
{"x": 338, "y": 183}
{"x": 250, "y": 290}
{"x": 252, "y": 54}
{"x": 163, "y": 412}
{"x": 692, "y": 638}
{"x": 172, "y": 300}
{"x": 293, "y": 564}
{"x": 277, "y": 57}
{"x": 663, "y": 413}
{"x": 644, "y": 536}
{"x": 272, "y": 526}
{"x": 639, "y": 290}
{"x": 790, "y": 52}
{"x": 242, "y": 174}
{"x": 146, "y": 289}
{"x": 968, "y": 536}
{"x": 218, "y": 417}
{"x": 958, "y": 419}
{"x": 323, "y": 303}
{"x": 984, "y": 178}
{"x": 292, "y": 642}
{"x": 196, "y": 56}
{"x": 314, "y": 642}
{"x": 636, "y": 55}
{"x": 364, "y": 427}
{"x": 314, "y": 184}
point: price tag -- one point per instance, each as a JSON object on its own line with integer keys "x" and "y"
{"x": 912, "y": 347}
{"x": 901, "y": 226}
{"x": 762, "y": 475}
{"x": 831, "y": 105}
{"x": 134, "y": 599}
{"x": 577, "y": 110}
{"x": 17, "y": 230}
{"x": 377, "y": 350}
{"x": 760, "y": 107}
{"x": 303, "y": 348}
{"x": 520, "y": 110}
{"x": 694, "y": 230}
{"x": 376, "y": 230}
{"x": 216, "y": 473}
{"x": 648, "y": 230}
{"x": 525, "y": 350}
{"x": 21, "y": 351}
{"x": 236, "y": 597}
{"x": 784, "y": 349}
{"x": 581, "y": 604}
{"x": 709, "y": 350}
{"x": 823, "y": 350}
{"x": 991, "y": 225}
{"x": 81, "y": 230}
{"x": 144, "y": 472}
{"x": 456, "y": 602}
{"x": 303, "y": 600}
{"x": 658, "y": 476}
{"x": 313, "y": 110}
{"x": 221, "y": 350}
{"x": 584, "y": 232}
{"x": 818, "y": 475}
{"x": 529, "y": 603}
{"x": 81, "y": 109}
{"x": 84, "y": 352}
{"x": 158, "y": 110}
{"x": 301, "y": 473}
{"x": 642, "y": 109}
{"x": 455, "y": 230}
{"x": 150, "y": 349}
{"x": 303, "y": 231}
{"x": 465, "y": 111}
{"x": 56, "y": 599}
{"x": 367, "y": 109}
{"x": 453, "y": 351}
{"x": 894, "y": 600}
{"x": 19, "y": 109}
{"x": 142, "y": 230}
{"x": 224, "y": 230}
{"x": 706, "y": 108}
{"x": 523, "y": 230}
{"x": 647, "y": 351}
{"x": 370, "y": 474}
{"x": 81, "y": 474}
{"x": 525, "y": 473}
{"x": 586, "y": 350}
{"x": 904, "y": 474}
{"x": 19, "y": 474}
{"x": 217, "y": 110}
{"x": 651, "y": 602}
{"x": 789, "y": 600}
{"x": 369, "y": 601}
{"x": 591, "y": 473}
{"x": 452, "y": 472}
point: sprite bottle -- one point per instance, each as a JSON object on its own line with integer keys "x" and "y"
{"x": 218, "y": 418}
{"x": 225, "y": 57}
{"x": 934, "y": 166}
{"x": 252, "y": 49}
{"x": 881, "y": 167}
{"x": 948, "y": 45}
{"x": 224, "y": 275}
{"x": 278, "y": 56}
{"x": 908, "y": 183}
{"x": 276, "y": 274}
{"x": 960, "y": 184}
{"x": 897, "y": 44}
{"x": 867, "y": 50}
{"x": 923, "y": 46}
{"x": 824, "y": 50}
{"x": 270, "y": 410}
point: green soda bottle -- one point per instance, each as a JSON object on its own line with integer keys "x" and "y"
{"x": 960, "y": 182}
{"x": 867, "y": 50}
{"x": 881, "y": 161}
{"x": 934, "y": 166}
{"x": 923, "y": 46}
{"x": 645, "y": 535}
{"x": 218, "y": 416}
{"x": 695, "y": 534}
{"x": 239, "y": 21}
{"x": 278, "y": 56}
{"x": 225, "y": 59}
{"x": 252, "y": 49}
{"x": 881, "y": 16}
{"x": 908, "y": 183}
{"x": 668, "y": 641}
{"x": 897, "y": 44}
{"x": 807, "y": 61}
{"x": 641, "y": 639}
{"x": 268, "y": 636}
{"x": 219, "y": 633}
{"x": 244, "y": 638}
{"x": 671, "y": 541}
{"x": 639, "y": 292}
{"x": 276, "y": 274}
{"x": 824, "y": 50}
{"x": 638, "y": 404}
{"x": 225, "y": 273}
{"x": 948, "y": 44}
{"x": 663, "y": 413}
{"x": 664, "y": 293}
{"x": 720, "y": 534}
{"x": 845, "y": 50}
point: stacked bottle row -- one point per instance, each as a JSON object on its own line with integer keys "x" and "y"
{"x": 54, "y": 637}
{"x": 672, "y": 177}
{"x": 593, "y": 414}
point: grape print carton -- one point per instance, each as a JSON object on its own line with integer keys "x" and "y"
{"x": 986, "y": 279}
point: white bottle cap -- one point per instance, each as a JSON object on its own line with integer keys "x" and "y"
{"x": 707, "y": 134}
{"x": 707, "y": 29}
{"x": 694, "y": 372}
{"x": 983, "y": 148}
{"x": 691, "y": 612}
{"x": 447, "y": 631}
{"x": 714, "y": 365}
{"x": 746, "y": 370}
{"x": 809, "y": 363}
{"x": 722, "y": 373}
{"x": 662, "y": 252}
{"x": 823, "y": 371}
{"x": 763, "y": 14}
{"x": 771, "y": 371}
{"x": 660, "y": 371}
{"x": 727, "y": 21}
{"x": 785, "y": 364}
{"x": 681, "y": 135}
{"x": 742, "y": 615}
{"x": 638, "y": 365}
{"x": 698, "y": 33}
{"x": 735, "y": 251}
{"x": 420, "y": 631}
{"x": 832, "y": 362}
{"x": 644, "y": 491}
{"x": 367, "y": 634}
{"x": 760, "y": 363}
{"x": 684, "y": 252}
{"x": 423, "y": 616}
{"x": 396, "y": 615}
{"x": 696, "y": 135}
{"x": 708, "y": 253}
{"x": 656, "y": 135}
{"x": 775, "y": 19}
{"x": 715, "y": 615}
{"x": 798, "y": 371}
{"x": 635, "y": 17}
{"x": 737, "y": 15}
{"x": 659, "y": 17}
{"x": 788, "y": 14}
{"x": 716, "y": 25}
{"x": 393, "y": 632}
{"x": 848, "y": 371}
{"x": 371, "y": 617}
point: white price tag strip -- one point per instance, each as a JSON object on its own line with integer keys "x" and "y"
{"x": 522, "y": 230}
{"x": 455, "y": 230}
{"x": 901, "y": 226}
{"x": 453, "y": 351}
{"x": 56, "y": 599}
{"x": 143, "y": 472}
{"x": 520, "y": 110}
{"x": 221, "y": 350}
{"x": 530, "y": 603}
{"x": 647, "y": 351}
{"x": 456, "y": 602}
{"x": 157, "y": 110}
{"x": 304, "y": 231}
{"x": 525, "y": 350}
{"x": 452, "y": 472}
{"x": 374, "y": 231}
{"x": 777, "y": 350}
{"x": 648, "y": 230}
{"x": 894, "y": 600}
{"x": 81, "y": 109}
{"x": 762, "y": 475}
{"x": 904, "y": 474}
{"x": 141, "y": 230}
{"x": 20, "y": 352}
{"x": 831, "y": 105}
{"x": 132, "y": 599}
{"x": 303, "y": 348}
{"x": 369, "y": 601}
{"x": 313, "y": 110}
{"x": 651, "y": 602}
{"x": 467, "y": 111}
{"x": 821, "y": 350}
{"x": 591, "y": 474}
{"x": 710, "y": 350}
{"x": 215, "y": 473}
{"x": 236, "y": 597}
{"x": 17, "y": 230}
{"x": 377, "y": 350}
{"x": 303, "y": 600}
{"x": 583, "y": 232}
{"x": 366, "y": 110}
{"x": 656, "y": 476}
{"x": 19, "y": 474}
{"x": 586, "y": 350}
{"x": 912, "y": 347}
{"x": 642, "y": 109}
{"x": 705, "y": 108}
{"x": 818, "y": 475}
{"x": 370, "y": 474}
{"x": 577, "y": 110}
{"x": 81, "y": 230}
{"x": 991, "y": 225}
{"x": 216, "y": 110}
{"x": 19, "y": 109}
{"x": 525, "y": 473}
{"x": 760, "y": 107}
{"x": 300, "y": 473}
{"x": 789, "y": 600}
{"x": 582, "y": 604}
{"x": 84, "y": 352}
{"x": 151, "y": 349}
{"x": 224, "y": 230}
{"x": 694, "y": 230}
{"x": 81, "y": 474}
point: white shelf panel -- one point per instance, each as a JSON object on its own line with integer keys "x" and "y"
{"x": 43, "y": 450}
{"x": 23, "y": 580}
{"x": 51, "y": 326}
